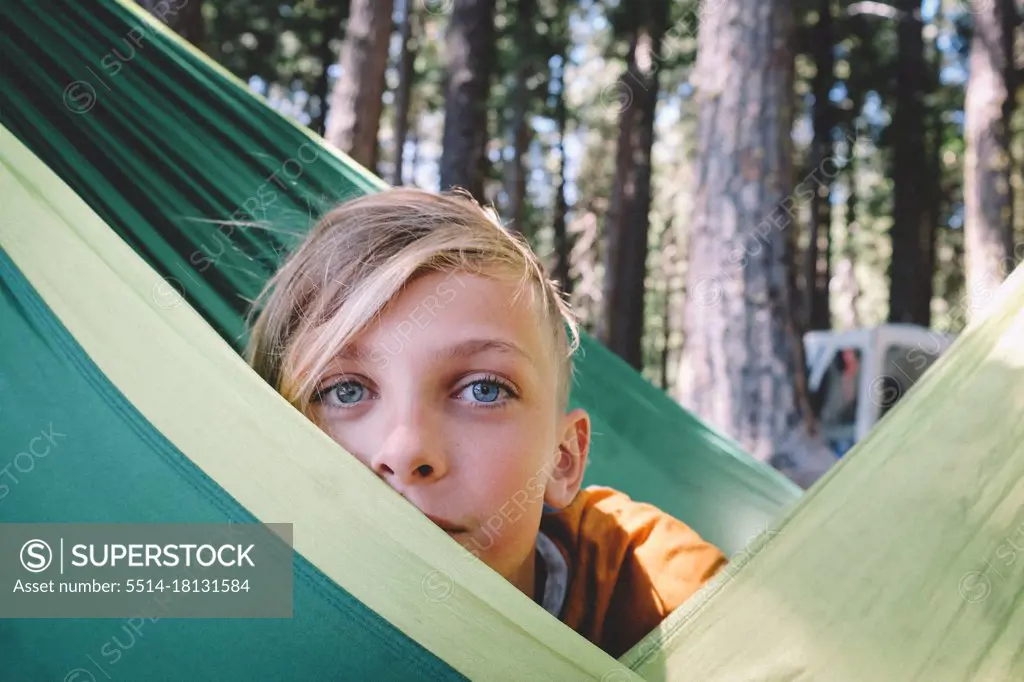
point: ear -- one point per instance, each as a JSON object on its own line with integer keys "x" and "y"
{"x": 570, "y": 461}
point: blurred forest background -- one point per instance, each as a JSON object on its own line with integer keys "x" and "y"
{"x": 707, "y": 180}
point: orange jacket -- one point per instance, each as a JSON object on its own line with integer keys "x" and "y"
{"x": 630, "y": 565}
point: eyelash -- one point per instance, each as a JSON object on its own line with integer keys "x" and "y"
{"x": 321, "y": 393}
{"x": 513, "y": 394}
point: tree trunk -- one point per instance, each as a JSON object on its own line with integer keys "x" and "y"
{"x": 406, "y": 74}
{"x": 186, "y": 19}
{"x": 414, "y": 164}
{"x": 622, "y": 324}
{"x": 934, "y": 196}
{"x": 521, "y": 136}
{"x": 1017, "y": 177}
{"x": 819, "y": 253}
{"x": 519, "y": 127}
{"x": 356, "y": 102}
{"x": 846, "y": 274}
{"x": 585, "y": 257}
{"x": 470, "y": 61}
{"x": 669, "y": 261}
{"x": 321, "y": 88}
{"x": 613, "y": 313}
{"x": 740, "y": 360}
{"x": 907, "y": 269}
{"x": 988, "y": 201}
{"x": 562, "y": 242}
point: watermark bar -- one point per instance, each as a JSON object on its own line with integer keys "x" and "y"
{"x": 201, "y": 570}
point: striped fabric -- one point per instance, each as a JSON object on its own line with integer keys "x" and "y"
{"x": 109, "y": 463}
{"x": 112, "y": 209}
{"x": 172, "y": 426}
{"x": 168, "y": 147}
{"x": 120, "y": 321}
{"x": 905, "y": 562}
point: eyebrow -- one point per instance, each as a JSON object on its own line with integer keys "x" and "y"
{"x": 472, "y": 347}
{"x": 463, "y": 349}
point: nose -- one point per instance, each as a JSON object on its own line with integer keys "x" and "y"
{"x": 412, "y": 453}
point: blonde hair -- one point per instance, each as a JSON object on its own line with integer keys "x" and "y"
{"x": 360, "y": 255}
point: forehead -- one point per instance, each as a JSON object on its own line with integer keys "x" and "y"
{"x": 440, "y": 309}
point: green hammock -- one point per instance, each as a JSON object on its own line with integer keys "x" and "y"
{"x": 172, "y": 144}
{"x": 113, "y": 182}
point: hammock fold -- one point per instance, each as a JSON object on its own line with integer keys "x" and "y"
{"x": 169, "y": 148}
{"x": 172, "y": 426}
{"x": 125, "y": 153}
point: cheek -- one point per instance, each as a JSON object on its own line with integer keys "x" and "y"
{"x": 508, "y": 518}
{"x": 505, "y": 468}
{"x": 509, "y": 450}
{"x": 355, "y": 440}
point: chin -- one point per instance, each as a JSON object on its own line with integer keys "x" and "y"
{"x": 504, "y": 558}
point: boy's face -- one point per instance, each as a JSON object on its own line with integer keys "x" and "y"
{"x": 451, "y": 396}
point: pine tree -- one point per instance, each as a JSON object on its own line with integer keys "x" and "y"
{"x": 469, "y": 44}
{"x": 627, "y": 222}
{"x": 988, "y": 199}
{"x": 356, "y": 103}
{"x": 909, "y": 299}
{"x": 740, "y": 359}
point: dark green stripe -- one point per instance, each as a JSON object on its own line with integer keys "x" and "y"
{"x": 160, "y": 128}
{"x": 111, "y": 465}
{"x": 173, "y": 141}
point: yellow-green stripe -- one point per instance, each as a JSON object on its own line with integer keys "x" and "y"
{"x": 900, "y": 564}
{"x": 201, "y": 396}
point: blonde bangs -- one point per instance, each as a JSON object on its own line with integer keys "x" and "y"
{"x": 360, "y": 256}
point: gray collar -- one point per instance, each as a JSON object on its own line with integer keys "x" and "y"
{"x": 556, "y": 582}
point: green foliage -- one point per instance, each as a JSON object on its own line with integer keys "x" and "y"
{"x": 287, "y": 45}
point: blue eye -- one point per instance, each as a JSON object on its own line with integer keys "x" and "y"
{"x": 348, "y": 392}
{"x": 486, "y": 392}
{"x": 344, "y": 393}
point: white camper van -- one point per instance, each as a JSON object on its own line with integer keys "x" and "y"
{"x": 856, "y": 376}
